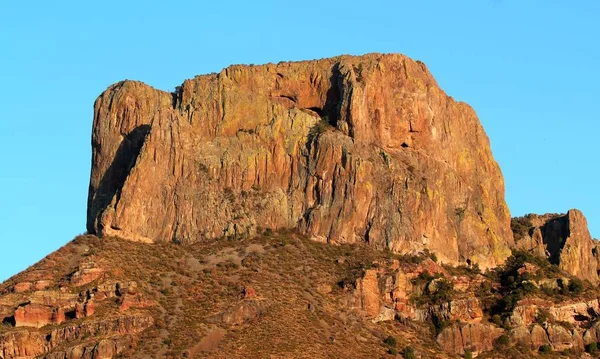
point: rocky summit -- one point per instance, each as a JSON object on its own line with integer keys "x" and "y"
{"x": 336, "y": 208}
{"x": 350, "y": 149}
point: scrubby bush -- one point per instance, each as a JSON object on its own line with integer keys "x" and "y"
{"x": 576, "y": 286}
{"x": 501, "y": 342}
{"x": 444, "y": 291}
{"x": 390, "y": 341}
{"x": 592, "y": 348}
{"x": 409, "y": 353}
{"x": 497, "y": 319}
{"x": 520, "y": 226}
{"x": 438, "y": 292}
{"x": 545, "y": 349}
{"x": 542, "y": 316}
{"x": 468, "y": 354}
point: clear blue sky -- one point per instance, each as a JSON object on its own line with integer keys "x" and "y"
{"x": 529, "y": 68}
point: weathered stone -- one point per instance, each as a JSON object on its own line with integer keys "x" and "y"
{"x": 347, "y": 149}
{"x": 22, "y": 344}
{"x": 560, "y": 338}
{"x": 463, "y": 310}
{"x": 539, "y": 336}
{"x": 476, "y": 337}
{"x": 87, "y": 273}
{"x": 368, "y": 296}
{"x": 128, "y": 301}
{"x": 35, "y": 315}
{"x": 249, "y": 292}
{"x": 86, "y": 309}
{"x": 241, "y": 313}
{"x": 22, "y": 287}
{"x": 592, "y": 335}
{"x": 41, "y": 284}
{"x": 566, "y": 240}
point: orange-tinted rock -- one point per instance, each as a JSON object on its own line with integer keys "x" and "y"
{"x": 22, "y": 344}
{"x": 41, "y": 285}
{"x": 347, "y": 149}
{"x": 560, "y": 337}
{"x": 539, "y": 336}
{"x": 34, "y": 344}
{"x": 477, "y": 337}
{"x": 86, "y": 309}
{"x": 87, "y": 273}
{"x": 368, "y": 297}
{"x": 249, "y": 292}
{"x": 565, "y": 239}
{"x": 52, "y": 298}
{"x": 241, "y": 313}
{"x": 22, "y": 287}
{"x": 89, "y": 308}
{"x": 134, "y": 301}
{"x": 36, "y": 315}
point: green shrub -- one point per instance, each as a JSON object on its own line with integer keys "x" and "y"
{"x": 412, "y": 258}
{"x": 409, "y": 353}
{"x": 440, "y": 324}
{"x": 545, "y": 349}
{"x": 542, "y": 316}
{"x": 390, "y": 341}
{"x": 393, "y": 351}
{"x": 497, "y": 319}
{"x": 444, "y": 291}
{"x": 592, "y": 348}
{"x": 468, "y": 354}
{"x": 319, "y": 128}
{"x": 423, "y": 277}
{"x": 576, "y": 286}
{"x": 520, "y": 226}
{"x": 502, "y": 342}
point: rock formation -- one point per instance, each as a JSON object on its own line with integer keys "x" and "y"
{"x": 344, "y": 150}
{"x": 347, "y": 149}
{"x": 563, "y": 238}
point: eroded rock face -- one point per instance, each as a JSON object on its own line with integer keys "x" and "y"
{"x": 475, "y": 337}
{"x": 29, "y": 344}
{"x": 565, "y": 240}
{"x": 347, "y": 149}
{"x": 36, "y": 315}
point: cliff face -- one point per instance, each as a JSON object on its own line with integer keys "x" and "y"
{"x": 563, "y": 238}
{"x": 347, "y": 149}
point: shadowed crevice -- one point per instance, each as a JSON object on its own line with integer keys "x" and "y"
{"x": 554, "y": 235}
{"x": 115, "y": 176}
{"x": 9, "y": 321}
{"x": 330, "y": 112}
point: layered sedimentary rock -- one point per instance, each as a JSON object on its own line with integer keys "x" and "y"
{"x": 563, "y": 238}
{"x": 347, "y": 149}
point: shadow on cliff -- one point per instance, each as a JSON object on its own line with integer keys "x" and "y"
{"x": 115, "y": 176}
{"x": 554, "y": 235}
{"x": 330, "y": 112}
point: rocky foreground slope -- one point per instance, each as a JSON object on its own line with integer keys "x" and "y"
{"x": 338, "y": 208}
{"x": 284, "y": 295}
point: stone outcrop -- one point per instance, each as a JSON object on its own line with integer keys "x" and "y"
{"x": 34, "y": 344}
{"x": 347, "y": 149}
{"x": 36, "y": 315}
{"x": 86, "y": 273}
{"x": 564, "y": 239}
{"x": 473, "y": 337}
